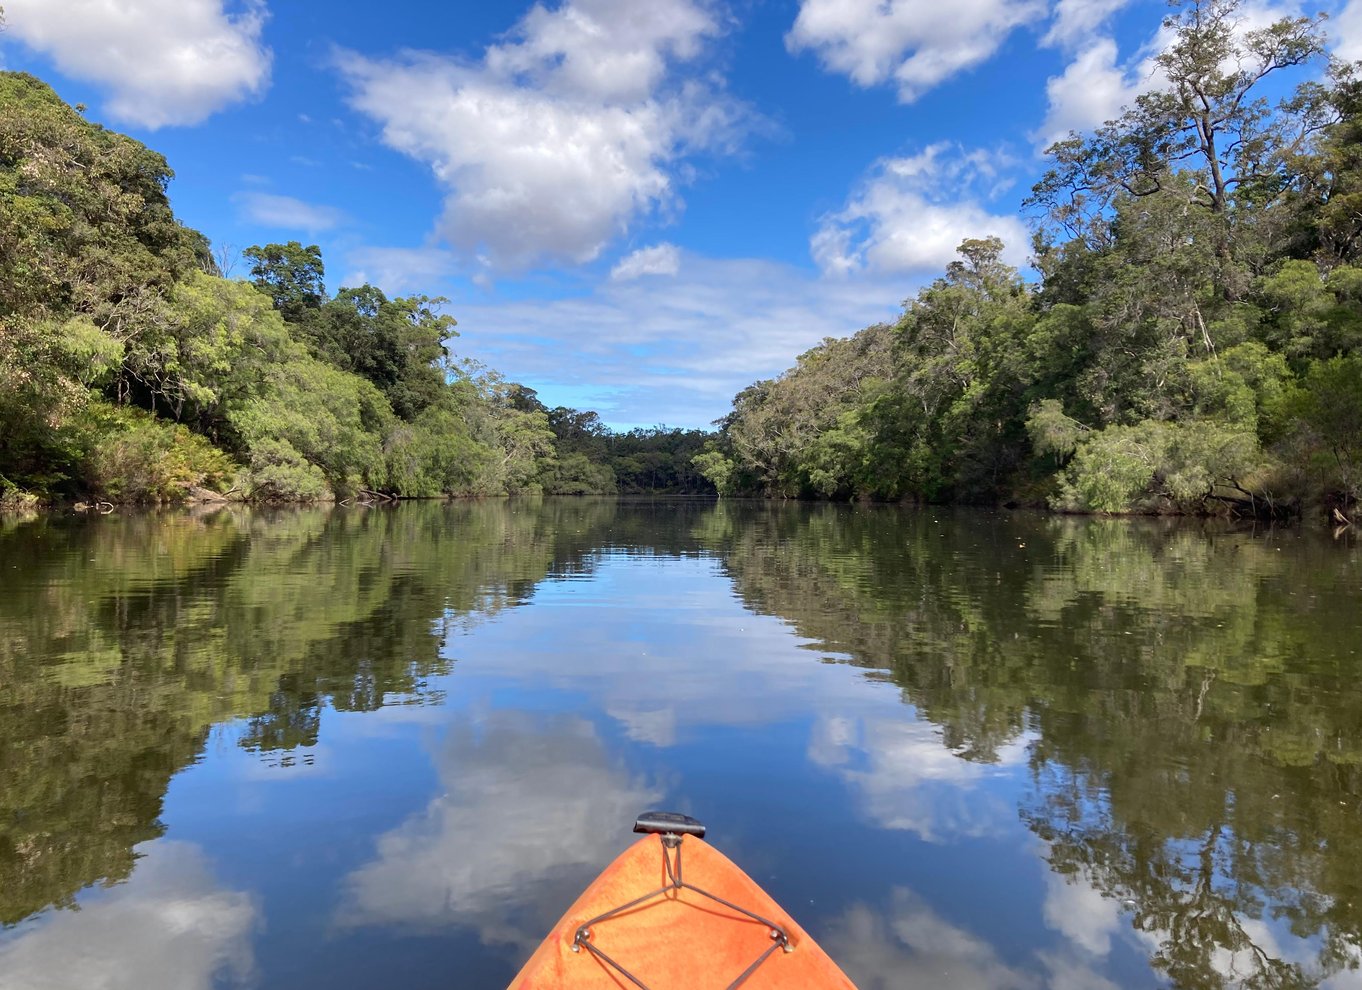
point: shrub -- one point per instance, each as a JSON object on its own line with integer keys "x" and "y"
{"x": 134, "y": 457}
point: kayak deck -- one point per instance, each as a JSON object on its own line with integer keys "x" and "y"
{"x": 674, "y": 913}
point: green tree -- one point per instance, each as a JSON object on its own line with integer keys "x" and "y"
{"x": 1326, "y": 425}
{"x": 959, "y": 387}
{"x": 1208, "y": 120}
{"x": 312, "y": 430}
{"x": 88, "y": 248}
{"x": 293, "y": 276}
{"x": 397, "y": 344}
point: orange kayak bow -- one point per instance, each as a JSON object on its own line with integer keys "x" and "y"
{"x": 674, "y": 913}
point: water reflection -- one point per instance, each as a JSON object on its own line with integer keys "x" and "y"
{"x": 124, "y": 639}
{"x": 904, "y": 777}
{"x": 530, "y": 811}
{"x": 1192, "y": 695}
{"x": 906, "y": 944}
{"x": 1075, "y": 907}
{"x": 170, "y": 926}
{"x": 1004, "y": 751}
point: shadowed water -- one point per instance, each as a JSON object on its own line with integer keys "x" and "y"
{"x": 347, "y": 747}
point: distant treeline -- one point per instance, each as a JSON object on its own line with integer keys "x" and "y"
{"x": 1193, "y": 343}
{"x": 131, "y": 370}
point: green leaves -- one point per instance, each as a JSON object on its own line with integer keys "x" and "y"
{"x": 1326, "y": 423}
{"x": 291, "y": 275}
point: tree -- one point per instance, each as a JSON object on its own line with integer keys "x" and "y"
{"x": 961, "y": 391}
{"x": 775, "y": 425}
{"x": 1327, "y": 424}
{"x": 1334, "y": 189}
{"x": 397, "y": 344}
{"x": 1207, "y": 118}
{"x": 89, "y": 247}
{"x": 292, "y": 276}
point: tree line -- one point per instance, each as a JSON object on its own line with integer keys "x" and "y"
{"x": 131, "y": 370}
{"x": 1193, "y": 340}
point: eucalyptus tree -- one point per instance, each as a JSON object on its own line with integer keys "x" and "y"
{"x": 1206, "y": 114}
{"x": 293, "y": 276}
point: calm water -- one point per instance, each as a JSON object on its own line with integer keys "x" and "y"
{"x": 386, "y": 748}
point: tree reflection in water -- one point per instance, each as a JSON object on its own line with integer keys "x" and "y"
{"x": 1192, "y": 697}
{"x": 1186, "y": 700}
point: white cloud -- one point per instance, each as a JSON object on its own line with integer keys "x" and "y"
{"x": 285, "y": 212}
{"x": 558, "y": 140}
{"x": 911, "y": 214}
{"x": 1075, "y": 21}
{"x": 169, "y": 926}
{"x": 603, "y": 49}
{"x": 916, "y": 44}
{"x": 1345, "y": 31}
{"x": 1091, "y": 91}
{"x": 400, "y": 270}
{"x": 163, "y": 61}
{"x": 660, "y": 259}
{"x": 675, "y": 350}
{"x": 1096, "y": 87}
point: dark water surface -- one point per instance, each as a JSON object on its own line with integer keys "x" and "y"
{"x": 338, "y": 748}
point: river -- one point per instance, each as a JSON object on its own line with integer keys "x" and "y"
{"x": 353, "y": 747}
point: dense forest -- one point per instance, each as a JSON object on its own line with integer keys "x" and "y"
{"x": 132, "y": 371}
{"x": 1193, "y": 340}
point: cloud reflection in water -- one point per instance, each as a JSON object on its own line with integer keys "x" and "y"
{"x": 908, "y": 944}
{"x": 905, "y": 777}
{"x": 530, "y": 812}
{"x": 169, "y": 926}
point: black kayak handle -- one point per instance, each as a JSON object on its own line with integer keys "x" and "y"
{"x": 668, "y": 823}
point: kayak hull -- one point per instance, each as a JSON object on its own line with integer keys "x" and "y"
{"x": 678, "y": 939}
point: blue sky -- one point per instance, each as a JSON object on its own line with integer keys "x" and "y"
{"x": 634, "y": 206}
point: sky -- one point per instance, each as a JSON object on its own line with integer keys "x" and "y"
{"x": 633, "y": 206}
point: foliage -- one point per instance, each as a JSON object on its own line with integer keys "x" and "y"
{"x": 1198, "y": 280}
{"x": 134, "y": 457}
{"x": 130, "y": 371}
{"x": 1116, "y": 469}
{"x": 397, "y": 344}
{"x": 773, "y": 421}
{"x": 658, "y": 459}
{"x": 1325, "y": 411}
{"x": 716, "y": 468}
{"x": 1208, "y": 122}
{"x": 292, "y": 276}
{"x": 434, "y": 454}
{"x": 310, "y": 412}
